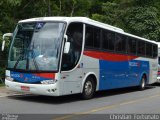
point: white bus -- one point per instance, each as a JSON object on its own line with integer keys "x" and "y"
{"x": 58, "y": 56}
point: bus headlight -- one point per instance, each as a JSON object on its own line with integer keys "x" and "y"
{"x": 48, "y": 81}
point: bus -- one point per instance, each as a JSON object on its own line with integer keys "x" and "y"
{"x": 158, "y": 75}
{"x": 58, "y": 56}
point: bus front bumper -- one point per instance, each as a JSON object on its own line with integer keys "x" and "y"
{"x": 40, "y": 89}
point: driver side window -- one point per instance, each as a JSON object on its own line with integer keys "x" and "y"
{"x": 75, "y": 37}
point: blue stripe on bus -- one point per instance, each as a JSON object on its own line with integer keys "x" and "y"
{"x": 26, "y": 77}
{"x": 121, "y": 74}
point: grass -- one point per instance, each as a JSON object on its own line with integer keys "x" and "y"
{"x": 2, "y": 84}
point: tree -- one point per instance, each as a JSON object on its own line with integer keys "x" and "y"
{"x": 144, "y": 22}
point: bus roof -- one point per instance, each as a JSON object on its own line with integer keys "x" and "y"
{"x": 87, "y": 21}
{"x": 158, "y": 44}
{"x": 73, "y": 19}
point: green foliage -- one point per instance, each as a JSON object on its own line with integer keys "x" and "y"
{"x": 143, "y": 21}
{"x": 2, "y": 84}
{"x": 108, "y": 14}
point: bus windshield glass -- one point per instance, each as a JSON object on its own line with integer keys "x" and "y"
{"x": 36, "y": 46}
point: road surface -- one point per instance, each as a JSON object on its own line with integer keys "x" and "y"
{"x": 119, "y": 101}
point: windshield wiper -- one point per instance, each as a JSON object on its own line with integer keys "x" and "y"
{"x": 22, "y": 54}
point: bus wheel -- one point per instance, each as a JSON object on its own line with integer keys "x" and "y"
{"x": 143, "y": 83}
{"x": 89, "y": 88}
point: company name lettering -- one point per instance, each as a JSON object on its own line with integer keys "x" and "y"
{"x": 134, "y": 64}
{"x": 15, "y": 75}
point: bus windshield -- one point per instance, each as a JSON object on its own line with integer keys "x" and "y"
{"x": 36, "y": 46}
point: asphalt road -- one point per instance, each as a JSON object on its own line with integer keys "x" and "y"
{"x": 119, "y": 101}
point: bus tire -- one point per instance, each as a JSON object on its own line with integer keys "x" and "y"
{"x": 89, "y": 88}
{"x": 143, "y": 83}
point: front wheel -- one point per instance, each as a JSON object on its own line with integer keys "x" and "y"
{"x": 143, "y": 83}
{"x": 89, "y": 88}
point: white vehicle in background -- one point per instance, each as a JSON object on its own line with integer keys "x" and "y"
{"x": 158, "y": 76}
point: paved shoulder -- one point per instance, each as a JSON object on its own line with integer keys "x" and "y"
{"x": 5, "y": 92}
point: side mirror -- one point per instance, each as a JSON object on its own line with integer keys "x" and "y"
{"x": 3, "y": 44}
{"x": 4, "y": 36}
{"x": 65, "y": 37}
{"x": 66, "y": 47}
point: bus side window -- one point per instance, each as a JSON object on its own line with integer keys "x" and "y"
{"x": 132, "y": 46}
{"x": 97, "y": 37}
{"x": 141, "y": 48}
{"x": 108, "y": 40}
{"x": 155, "y": 51}
{"x": 120, "y": 43}
{"x": 149, "y": 49}
{"x": 93, "y": 37}
{"x": 89, "y": 36}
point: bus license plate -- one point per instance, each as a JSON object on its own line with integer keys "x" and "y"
{"x": 25, "y": 88}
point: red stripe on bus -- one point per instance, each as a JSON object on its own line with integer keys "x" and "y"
{"x": 109, "y": 56}
{"x": 46, "y": 75}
